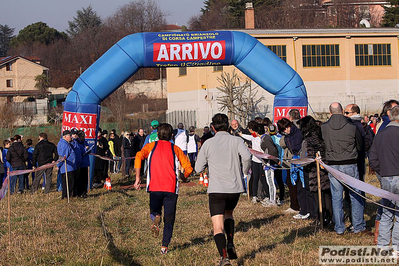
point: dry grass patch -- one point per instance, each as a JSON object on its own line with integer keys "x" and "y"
{"x": 112, "y": 228}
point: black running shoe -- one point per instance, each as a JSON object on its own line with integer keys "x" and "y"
{"x": 231, "y": 251}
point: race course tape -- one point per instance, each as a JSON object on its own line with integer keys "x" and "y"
{"x": 353, "y": 182}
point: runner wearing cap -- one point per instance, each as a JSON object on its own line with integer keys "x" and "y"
{"x": 153, "y": 136}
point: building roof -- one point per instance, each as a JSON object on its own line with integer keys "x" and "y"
{"x": 289, "y": 33}
{"x": 34, "y": 59}
{"x": 13, "y": 93}
{"x": 172, "y": 27}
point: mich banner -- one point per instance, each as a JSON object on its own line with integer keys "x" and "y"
{"x": 188, "y": 49}
{"x": 83, "y": 117}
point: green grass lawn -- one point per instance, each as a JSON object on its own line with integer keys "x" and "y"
{"x": 113, "y": 228}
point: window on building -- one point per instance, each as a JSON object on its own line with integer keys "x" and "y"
{"x": 217, "y": 68}
{"x": 182, "y": 71}
{"x": 8, "y": 67}
{"x": 279, "y": 50}
{"x": 9, "y": 83}
{"x": 373, "y": 54}
{"x": 325, "y": 55}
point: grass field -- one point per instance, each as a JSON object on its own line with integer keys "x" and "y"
{"x": 113, "y": 228}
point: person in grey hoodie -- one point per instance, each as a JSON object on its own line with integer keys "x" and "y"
{"x": 343, "y": 140}
{"x": 222, "y": 156}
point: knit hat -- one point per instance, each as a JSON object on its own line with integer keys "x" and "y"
{"x": 272, "y": 129}
{"x": 66, "y": 132}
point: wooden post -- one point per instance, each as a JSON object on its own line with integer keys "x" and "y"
{"x": 319, "y": 192}
{"x": 9, "y": 208}
{"x": 88, "y": 179}
{"x": 66, "y": 179}
{"x": 248, "y": 187}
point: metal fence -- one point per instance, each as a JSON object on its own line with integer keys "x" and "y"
{"x": 188, "y": 118}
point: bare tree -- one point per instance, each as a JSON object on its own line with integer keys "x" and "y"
{"x": 8, "y": 116}
{"x": 138, "y": 16}
{"x": 117, "y": 104}
{"x": 238, "y": 97}
{"x": 28, "y": 114}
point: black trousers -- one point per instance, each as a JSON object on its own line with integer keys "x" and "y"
{"x": 81, "y": 181}
{"x": 257, "y": 174}
{"x": 71, "y": 181}
{"x": 293, "y": 193}
{"x": 326, "y": 205}
{"x": 306, "y": 199}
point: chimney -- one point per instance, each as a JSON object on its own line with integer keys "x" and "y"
{"x": 249, "y": 16}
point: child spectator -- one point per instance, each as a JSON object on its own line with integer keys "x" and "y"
{"x": 30, "y": 149}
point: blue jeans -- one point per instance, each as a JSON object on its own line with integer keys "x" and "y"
{"x": 13, "y": 181}
{"x": 387, "y": 226}
{"x": 357, "y": 203}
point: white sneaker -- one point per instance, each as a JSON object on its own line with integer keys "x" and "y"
{"x": 301, "y": 217}
{"x": 289, "y": 210}
{"x": 265, "y": 201}
{"x": 269, "y": 204}
{"x": 280, "y": 202}
{"x": 254, "y": 200}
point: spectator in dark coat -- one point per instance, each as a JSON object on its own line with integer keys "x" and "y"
{"x": 384, "y": 114}
{"x": 384, "y": 154}
{"x": 138, "y": 143}
{"x": 313, "y": 143}
{"x": 101, "y": 166}
{"x": 17, "y": 155}
{"x": 207, "y": 134}
{"x": 118, "y": 148}
{"x": 127, "y": 152}
{"x": 352, "y": 111}
{"x": 342, "y": 141}
{"x": 45, "y": 152}
{"x": 292, "y": 143}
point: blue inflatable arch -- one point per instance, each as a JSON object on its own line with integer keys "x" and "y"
{"x": 175, "y": 49}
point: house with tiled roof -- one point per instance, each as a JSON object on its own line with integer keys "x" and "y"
{"x": 17, "y": 89}
{"x": 17, "y": 77}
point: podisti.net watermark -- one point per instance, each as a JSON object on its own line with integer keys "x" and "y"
{"x": 358, "y": 255}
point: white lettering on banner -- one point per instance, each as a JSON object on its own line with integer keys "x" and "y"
{"x": 280, "y": 112}
{"x": 187, "y": 48}
{"x": 80, "y": 121}
{"x": 212, "y": 50}
{"x": 174, "y": 51}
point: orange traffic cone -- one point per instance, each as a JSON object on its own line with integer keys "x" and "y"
{"x": 107, "y": 184}
{"x": 201, "y": 180}
{"x": 206, "y": 181}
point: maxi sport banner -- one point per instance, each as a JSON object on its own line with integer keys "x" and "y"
{"x": 85, "y": 117}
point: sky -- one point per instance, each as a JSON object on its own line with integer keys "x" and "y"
{"x": 18, "y": 14}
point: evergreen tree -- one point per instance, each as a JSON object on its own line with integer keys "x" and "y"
{"x": 391, "y": 16}
{"x": 86, "y": 19}
{"x": 38, "y": 32}
{"x": 6, "y": 34}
